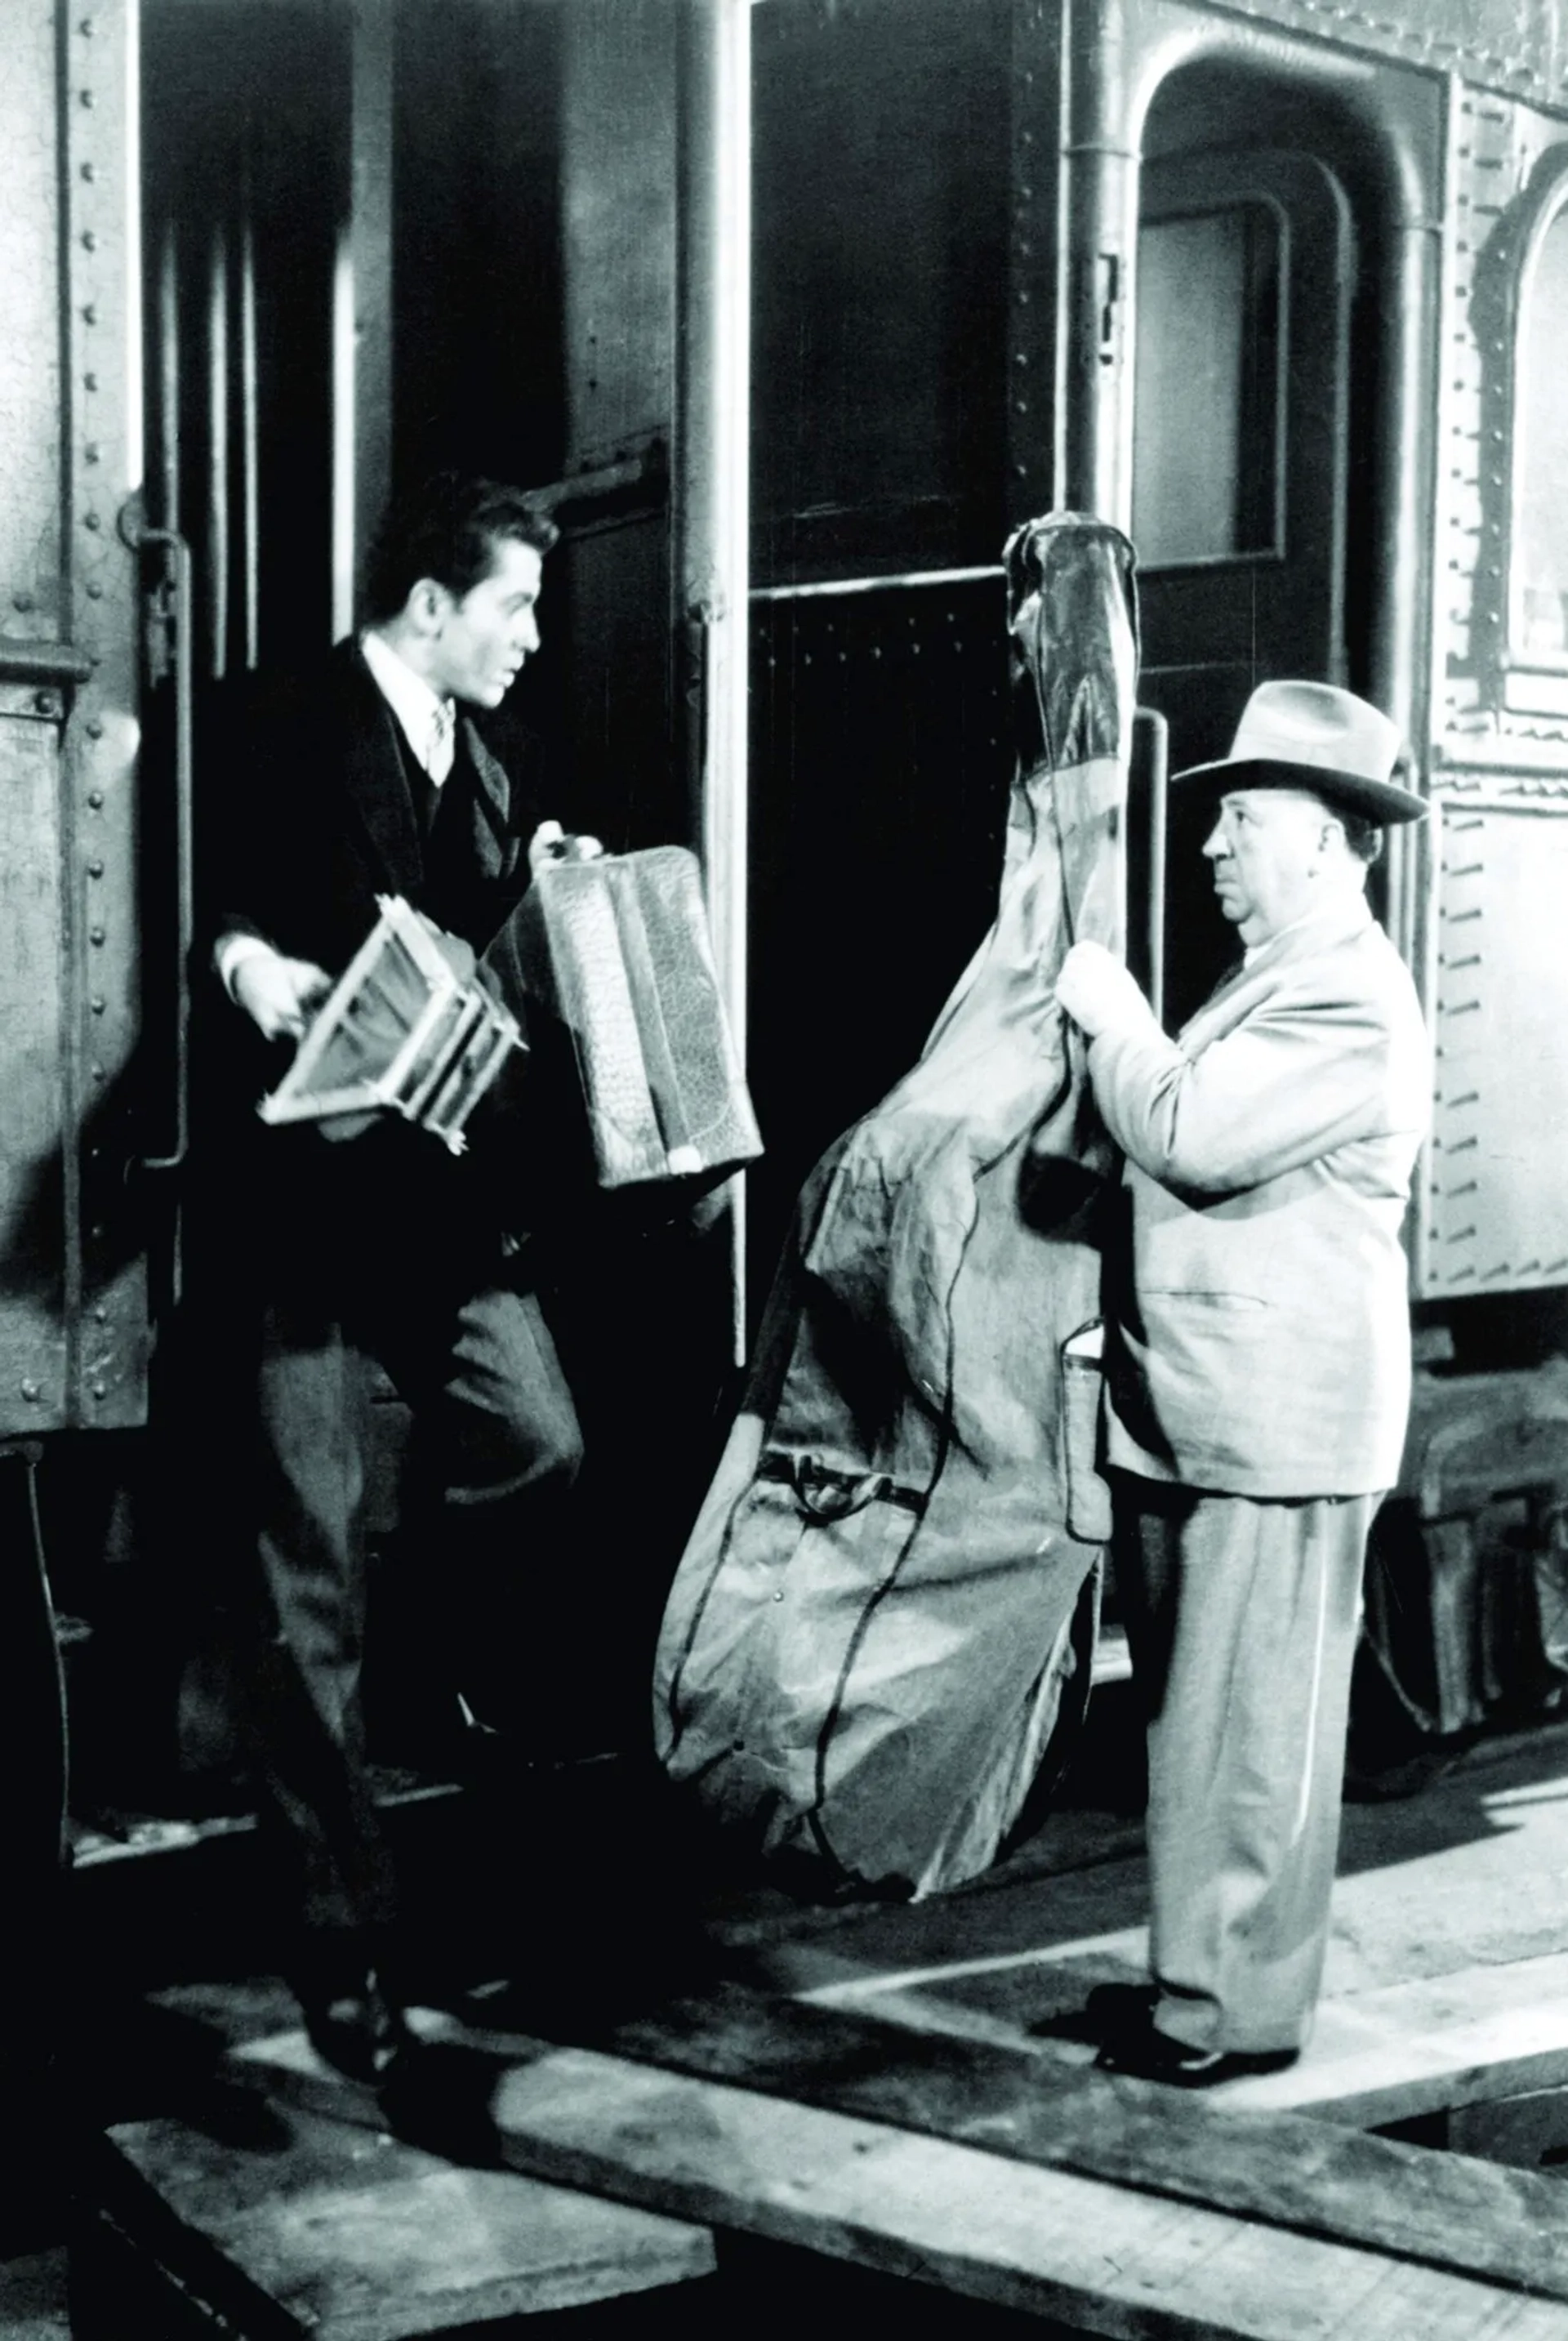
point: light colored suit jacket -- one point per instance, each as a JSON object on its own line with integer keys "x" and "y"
{"x": 1259, "y": 1341}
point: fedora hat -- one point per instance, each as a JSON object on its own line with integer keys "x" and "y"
{"x": 1312, "y": 735}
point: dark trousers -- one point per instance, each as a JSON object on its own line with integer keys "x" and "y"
{"x": 497, "y": 1447}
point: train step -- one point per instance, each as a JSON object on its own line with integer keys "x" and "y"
{"x": 264, "y": 2221}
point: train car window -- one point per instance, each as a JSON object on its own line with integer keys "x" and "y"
{"x": 1208, "y": 410}
{"x": 1247, "y": 270}
{"x": 1540, "y": 541}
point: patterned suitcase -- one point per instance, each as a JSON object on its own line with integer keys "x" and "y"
{"x": 617, "y": 949}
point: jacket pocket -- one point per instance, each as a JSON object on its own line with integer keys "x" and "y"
{"x": 1083, "y": 1378}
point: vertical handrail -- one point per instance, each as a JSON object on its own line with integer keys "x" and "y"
{"x": 178, "y": 577}
{"x": 218, "y": 481}
{"x": 30, "y": 1453}
{"x": 250, "y": 435}
{"x": 712, "y": 611}
{"x": 1158, "y": 732}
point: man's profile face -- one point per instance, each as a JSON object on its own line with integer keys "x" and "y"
{"x": 1265, "y": 846}
{"x": 481, "y": 640}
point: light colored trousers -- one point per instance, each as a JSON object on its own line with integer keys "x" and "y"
{"x": 1242, "y": 1617}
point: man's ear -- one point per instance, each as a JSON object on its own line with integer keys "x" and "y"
{"x": 427, "y": 605}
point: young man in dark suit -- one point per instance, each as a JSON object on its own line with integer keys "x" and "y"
{"x": 381, "y": 771}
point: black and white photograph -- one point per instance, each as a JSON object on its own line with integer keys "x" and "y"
{"x": 784, "y": 1169}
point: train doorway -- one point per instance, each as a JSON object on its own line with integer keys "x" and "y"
{"x": 1273, "y": 430}
{"x": 1247, "y": 270}
{"x": 373, "y": 237}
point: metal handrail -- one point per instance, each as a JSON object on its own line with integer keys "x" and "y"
{"x": 1158, "y": 769}
{"x": 137, "y": 534}
{"x": 40, "y": 662}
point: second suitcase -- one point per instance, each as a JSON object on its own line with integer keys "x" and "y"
{"x": 618, "y": 948}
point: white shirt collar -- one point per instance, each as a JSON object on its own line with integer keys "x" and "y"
{"x": 420, "y": 711}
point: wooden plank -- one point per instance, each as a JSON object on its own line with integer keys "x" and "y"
{"x": 1099, "y": 2257}
{"x": 1529, "y": 2131}
{"x": 1311, "y": 2175}
{"x": 32, "y": 2298}
{"x": 290, "y": 2221}
{"x": 1489, "y": 2028}
{"x": 1409, "y": 2049}
{"x": 1376, "y": 2057}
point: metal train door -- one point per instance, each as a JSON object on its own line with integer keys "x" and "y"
{"x": 880, "y": 727}
{"x": 1245, "y": 267}
{"x": 1241, "y": 463}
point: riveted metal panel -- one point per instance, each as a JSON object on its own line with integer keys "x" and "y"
{"x": 102, "y": 429}
{"x": 36, "y": 1161}
{"x": 1517, "y": 45}
{"x": 72, "y": 1304}
{"x": 1494, "y": 1213}
{"x": 29, "y": 346}
{"x": 1038, "y": 132}
{"x": 32, "y": 1193}
{"x": 1491, "y": 713}
{"x": 1493, "y": 150}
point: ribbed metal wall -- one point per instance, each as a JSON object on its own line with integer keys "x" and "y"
{"x": 72, "y": 1310}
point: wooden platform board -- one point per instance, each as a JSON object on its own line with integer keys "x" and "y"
{"x": 981, "y": 2174}
{"x": 908, "y": 2089}
{"x": 33, "y": 2304}
{"x": 1449, "y": 2041}
{"x": 1376, "y": 2058}
{"x": 269, "y": 2220}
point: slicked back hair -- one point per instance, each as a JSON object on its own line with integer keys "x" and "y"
{"x": 447, "y": 529}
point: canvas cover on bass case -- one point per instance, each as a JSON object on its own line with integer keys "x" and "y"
{"x": 865, "y": 1649}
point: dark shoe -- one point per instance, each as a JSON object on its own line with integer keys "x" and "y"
{"x": 361, "y": 2032}
{"x": 1112, "y": 2009}
{"x": 1151, "y": 2055}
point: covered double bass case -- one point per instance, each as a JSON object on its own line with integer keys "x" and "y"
{"x": 865, "y": 1649}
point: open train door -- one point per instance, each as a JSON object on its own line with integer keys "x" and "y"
{"x": 74, "y": 1116}
{"x": 1247, "y": 269}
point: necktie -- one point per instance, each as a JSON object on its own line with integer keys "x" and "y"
{"x": 443, "y": 744}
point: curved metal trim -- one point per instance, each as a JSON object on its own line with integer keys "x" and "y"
{"x": 1544, "y": 203}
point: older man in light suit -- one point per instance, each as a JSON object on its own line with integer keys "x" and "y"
{"x": 1257, "y": 1371}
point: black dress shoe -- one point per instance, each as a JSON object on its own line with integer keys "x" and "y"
{"x": 1114, "y": 2009}
{"x": 1151, "y": 2055}
{"x": 359, "y": 2030}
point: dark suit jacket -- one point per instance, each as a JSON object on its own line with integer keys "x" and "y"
{"x": 319, "y": 806}
{"x": 324, "y": 812}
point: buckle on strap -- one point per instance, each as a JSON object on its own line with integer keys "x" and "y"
{"x": 824, "y": 1493}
